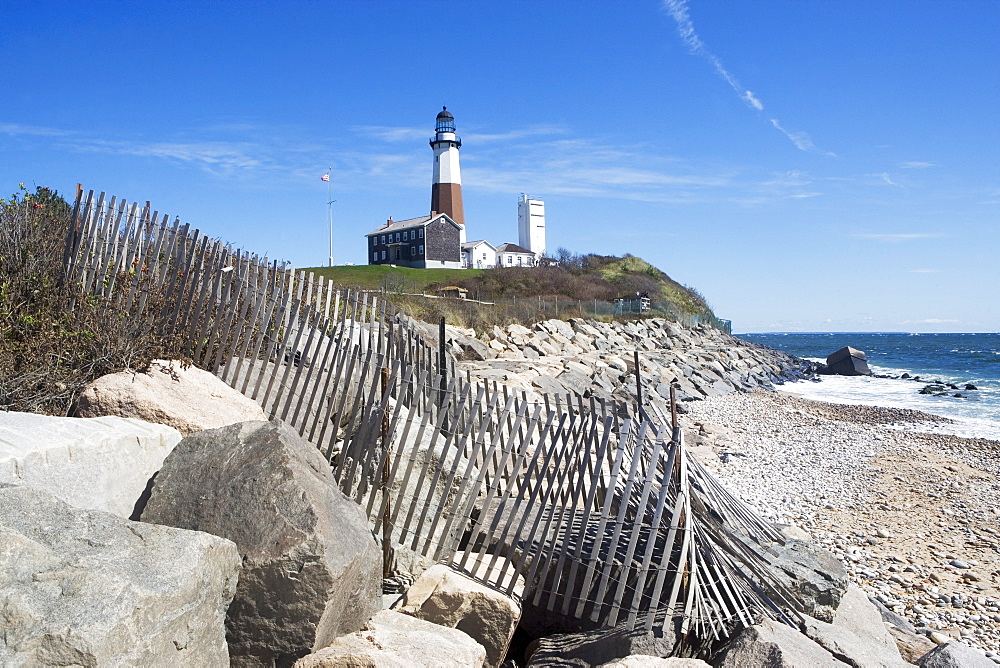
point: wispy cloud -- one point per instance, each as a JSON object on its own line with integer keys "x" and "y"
{"x": 916, "y": 165}
{"x": 392, "y": 134}
{"x": 18, "y": 130}
{"x": 589, "y": 168}
{"x": 932, "y": 321}
{"x": 886, "y": 179}
{"x": 896, "y": 236}
{"x": 925, "y": 271}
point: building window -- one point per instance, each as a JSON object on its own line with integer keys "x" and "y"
{"x": 383, "y": 238}
{"x": 421, "y": 233}
{"x": 375, "y": 256}
{"x": 421, "y": 250}
{"x": 484, "y": 256}
{"x": 406, "y": 236}
{"x": 397, "y": 237}
{"x": 519, "y": 260}
{"x": 374, "y": 241}
{"x": 383, "y": 255}
{"x": 413, "y": 250}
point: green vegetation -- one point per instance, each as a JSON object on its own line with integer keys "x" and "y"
{"x": 376, "y": 276}
{"x": 48, "y": 352}
{"x": 576, "y": 286}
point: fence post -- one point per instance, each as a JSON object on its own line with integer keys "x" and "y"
{"x": 638, "y": 383}
{"x": 442, "y": 363}
{"x": 386, "y": 515}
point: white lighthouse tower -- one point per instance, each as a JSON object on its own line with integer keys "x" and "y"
{"x": 446, "y": 190}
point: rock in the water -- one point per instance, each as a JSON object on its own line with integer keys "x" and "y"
{"x": 848, "y": 362}
{"x": 776, "y": 645}
{"x": 187, "y": 399}
{"x": 954, "y": 655}
{"x": 87, "y": 588}
{"x": 394, "y": 640}
{"x": 97, "y": 463}
{"x": 857, "y": 633}
{"x": 443, "y": 596}
{"x": 311, "y": 569}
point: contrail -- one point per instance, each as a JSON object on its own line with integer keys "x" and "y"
{"x": 685, "y": 28}
{"x": 678, "y": 10}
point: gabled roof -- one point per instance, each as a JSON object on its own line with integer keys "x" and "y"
{"x": 400, "y": 225}
{"x": 512, "y": 248}
{"x": 472, "y": 244}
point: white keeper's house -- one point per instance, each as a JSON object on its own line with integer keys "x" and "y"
{"x": 512, "y": 255}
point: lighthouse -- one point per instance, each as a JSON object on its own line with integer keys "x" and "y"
{"x": 446, "y": 190}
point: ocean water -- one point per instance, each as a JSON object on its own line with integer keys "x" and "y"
{"x": 950, "y": 358}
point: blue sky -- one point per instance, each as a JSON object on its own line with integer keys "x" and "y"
{"x": 807, "y": 166}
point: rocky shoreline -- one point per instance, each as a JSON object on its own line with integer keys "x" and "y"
{"x": 908, "y": 516}
{"x": 597, "y": 359}
{"x": 912, "y": 515}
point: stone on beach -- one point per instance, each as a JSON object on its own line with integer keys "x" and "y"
{"x": 443, "y": 596}
{"x": 188, "y": 399}
{"x": 954, "y": 655}
{"x": 394, "y": 640}
{"x": 88, "y": 588}
{"x": 776, "y": 645}
{"x": 311, "y": 568}
{"x": 857, "y": 633}
{"x": 98, "y": 463}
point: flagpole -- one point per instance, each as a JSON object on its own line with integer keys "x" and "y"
{"x": 329, "y": 204}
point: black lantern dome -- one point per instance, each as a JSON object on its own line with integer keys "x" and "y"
{"x": 445, "y": 122}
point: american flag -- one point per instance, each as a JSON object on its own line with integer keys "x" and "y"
{"x": 325, "y": 177}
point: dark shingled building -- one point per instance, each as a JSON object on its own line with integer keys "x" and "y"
{"x": 433, "y": 241}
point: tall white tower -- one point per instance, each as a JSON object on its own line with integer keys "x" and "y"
{"x": 446, "y": 190}
{"x": 531, "y": 225}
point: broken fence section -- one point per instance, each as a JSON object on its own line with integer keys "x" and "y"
{"x": 594, "y": 504}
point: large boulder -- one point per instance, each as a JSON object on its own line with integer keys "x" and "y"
{"x": 188, "y": 399}
{"x": 97, "y": 463}
{"x": 87, "y": 588}
{"x": 814, "y": 575}
{"x": 775, "y": 645}
{"x": 857, "y": 633}
{"x": 448, "y": 598}
{"x": 954, "y": 654}
{"x": 394, "y": 640}
{"x": 311, "y": 568}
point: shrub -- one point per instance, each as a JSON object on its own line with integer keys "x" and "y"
{"x": 54, "y": 339}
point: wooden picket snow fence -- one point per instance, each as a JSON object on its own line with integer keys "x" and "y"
{"x": 596, "y": 505}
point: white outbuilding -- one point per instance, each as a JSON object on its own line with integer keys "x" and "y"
{"x": 479, "y": 255}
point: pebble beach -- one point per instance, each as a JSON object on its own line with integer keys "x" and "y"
{"x": 914, "y": 516}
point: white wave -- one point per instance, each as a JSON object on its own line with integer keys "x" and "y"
{"x": 976, "y": 414}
